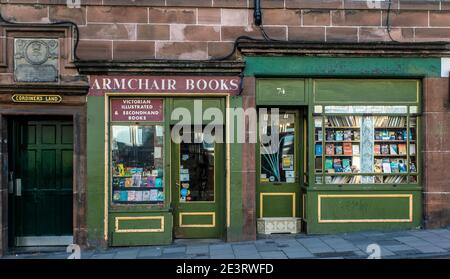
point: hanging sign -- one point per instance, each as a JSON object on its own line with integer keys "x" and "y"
{"x": 28, "y": 98}
{"x": 137, "y": 109}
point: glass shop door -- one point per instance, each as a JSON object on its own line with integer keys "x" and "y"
{"x": 198, "y": 183}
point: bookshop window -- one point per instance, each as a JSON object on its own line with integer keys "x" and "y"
{"x": 137, "y": 164}
{"x": 375, "y": 145}
{"x": 278, "y": 157}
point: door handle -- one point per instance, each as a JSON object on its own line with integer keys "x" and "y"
{"x": 18, "y": 187}
{"x": 11, "y": 183}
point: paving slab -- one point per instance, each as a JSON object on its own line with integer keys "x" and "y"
{"x": 273, "y": 255}
{"x": 150, "y": 252}
{"x": 171, "y": 250}
{"x": 198, "y": 249}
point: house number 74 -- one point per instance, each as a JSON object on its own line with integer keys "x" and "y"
{"x": 281, "y": 91}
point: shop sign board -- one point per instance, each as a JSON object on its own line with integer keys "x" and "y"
{"x": 137, "y": 109}
{"x": 99, "y": 85}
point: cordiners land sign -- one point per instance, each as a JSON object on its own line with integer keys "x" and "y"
{"x": 29, "y": 98}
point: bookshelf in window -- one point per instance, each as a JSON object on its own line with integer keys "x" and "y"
{"x": 346, "y": 145}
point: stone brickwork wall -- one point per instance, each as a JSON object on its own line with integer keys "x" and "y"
{"x": 200, "y": 29}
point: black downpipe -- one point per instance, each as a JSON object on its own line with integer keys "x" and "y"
{"x": 257, "y": 16}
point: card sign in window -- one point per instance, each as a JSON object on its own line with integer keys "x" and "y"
{"x": 137, "y": 109}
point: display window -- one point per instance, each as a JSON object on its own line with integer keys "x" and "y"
{"x": 278, "y": 160}
{"x": 137, "y": 151}
{"x": 137, "y": 164}
{"x": 375, "y": 145}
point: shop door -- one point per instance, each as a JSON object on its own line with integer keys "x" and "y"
{"x": 281, "y": 167}
{"x": 198, "y": 178}
{"x": 42, "y": 179}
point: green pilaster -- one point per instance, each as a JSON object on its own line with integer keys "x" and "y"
{"x": 234, "y": 231}
{"x": 95, "y": 170}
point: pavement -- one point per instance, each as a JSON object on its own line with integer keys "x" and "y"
{"x": 391, "y": 245}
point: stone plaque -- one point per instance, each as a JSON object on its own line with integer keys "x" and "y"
{"x": 36, "y": 60}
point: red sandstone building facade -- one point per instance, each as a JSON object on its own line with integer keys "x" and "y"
{"x": 52, "y": 102}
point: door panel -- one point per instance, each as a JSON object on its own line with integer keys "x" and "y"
{"x": 44, "y": 163}
{"x": 198, "y": 188}
{"x": 280, "y": 168}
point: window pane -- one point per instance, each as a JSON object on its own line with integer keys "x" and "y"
{"x": 277, "y": 161}
{"x": 137, "y": 164}
{"x": 197, "y": 169}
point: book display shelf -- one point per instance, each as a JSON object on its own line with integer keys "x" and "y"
{"x": 365, "y": 149}
{"x": 137, "y": 164}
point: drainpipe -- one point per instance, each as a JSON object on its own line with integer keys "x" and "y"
{"x": 257, "y": 16}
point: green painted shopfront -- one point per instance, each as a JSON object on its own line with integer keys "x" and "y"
{"x": 362, "y": 132}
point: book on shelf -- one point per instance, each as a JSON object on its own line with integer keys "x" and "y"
{"x": 330, "y": 135}
{"x": 320, "y": 135}
{"x": 412, "y": 149}
{"x": 343, "y": 180}
{"x": 339, "y": 135}
{"x": 337, "y": 165}
{"x": 347, "y": 146}
{"x": 402, "y": 149}
{"x": 394, "y": 179}
{"x": 318, "y": 122}
{"x": 394, "y": 166}
{"x": 347, "y": 135}
{"x": 384, "y": 135}
{"x": 412, "y": 135}
{"x": 377, "y": 149}
{"x": 318, "y": 179}
{"x": 328, "y": 163}
{"x": 392, "y": 135}
{"x": 153, "y": 195}
{"x": 412, "y": 167}
{"x": 386, "y": 166}
{"x": 343, "y": 121}
{"x": 319, "y": 149}
{"x": 329, "y": 149}
{"x": 393, "y": 149}
{"x": 378, "y": 168}
{"x": 131, "y": 195}
{"x": 356, "y": 135}
{"x": 356, "y": 163}
{"x": 123, "y": 195}
{"x": 116, "y": 195}
{"x": 390, "y": 121}
{"x": 338, "y": 149}
{"x": 146, "y": 195}
{"x": 355, "y": 149}
{"x": 402, "y": 166}
{"x": 139, "y": 196}
{"x": 318, "y": 164}
{"x": 346, "y": 166}
{"x": 385, "y": 149}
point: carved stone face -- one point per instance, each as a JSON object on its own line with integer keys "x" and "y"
{"x": 36, "y": 52}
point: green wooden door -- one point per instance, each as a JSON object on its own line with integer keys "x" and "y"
{"x": 280, "y": 166}
{"x": 198, "y": 179}
{"x": 43, "y": 179}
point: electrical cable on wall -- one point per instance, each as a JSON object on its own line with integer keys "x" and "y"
{"x": 388, "y": 23}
